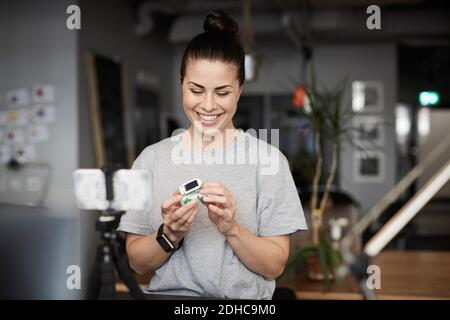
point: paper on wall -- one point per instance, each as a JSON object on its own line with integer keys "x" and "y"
{"x": 43, "y": 114}
{"x": 43, "y": 93}
{"x": 17, "y": 116}
{"x": 14, "y": 136}
{"x": 18, "y": 98}
{"x": 25, "y": 153}
{"x": 38, "y": 133}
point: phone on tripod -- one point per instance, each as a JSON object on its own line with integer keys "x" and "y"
{"x": 131, "y": 190}
{"x": 113, "y": 192}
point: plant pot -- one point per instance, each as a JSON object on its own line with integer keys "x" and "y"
{"x": 314, "y": 271}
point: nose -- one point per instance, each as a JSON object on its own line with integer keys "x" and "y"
{"x": 209, "y": 104}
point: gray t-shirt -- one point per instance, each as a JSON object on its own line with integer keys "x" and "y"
{"x": 267, "y": 205}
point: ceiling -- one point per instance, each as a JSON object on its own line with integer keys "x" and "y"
{"x": 201, "y": 6}
{"x": 332, "y": 20}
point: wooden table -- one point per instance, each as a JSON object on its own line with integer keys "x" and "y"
{"x": 404, "y": 275}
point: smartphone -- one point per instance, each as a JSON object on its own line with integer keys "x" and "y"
{"x": 131, "y": 188}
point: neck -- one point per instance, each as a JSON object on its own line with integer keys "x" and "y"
{"x": 206, "y": 139}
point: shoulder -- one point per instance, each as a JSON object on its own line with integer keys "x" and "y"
{"x": 149, "y": 154}
{"x": 267, "y": 152}
{"x": 159, "y": 146}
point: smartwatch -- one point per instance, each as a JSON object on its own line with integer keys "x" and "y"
{"x": 165, "y": 242}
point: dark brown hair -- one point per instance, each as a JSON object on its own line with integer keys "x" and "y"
{"x": 219, "y": 41}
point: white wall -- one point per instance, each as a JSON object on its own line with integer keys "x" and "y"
{"x": 36, "y": 47}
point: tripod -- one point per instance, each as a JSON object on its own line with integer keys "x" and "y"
{"x": 111, "y": 255}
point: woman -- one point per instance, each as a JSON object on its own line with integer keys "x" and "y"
{"x": 236, "y": 241}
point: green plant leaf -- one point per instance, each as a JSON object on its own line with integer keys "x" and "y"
{"x": 334, "y": 257}
{"x": 323, "y": 260}
{"x": 299, "y": 255}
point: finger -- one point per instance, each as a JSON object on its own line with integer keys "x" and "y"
{"x": 214, "y": 217}
{"x": 186, "y": 226}
{"x": 171, "y": 201}
{"x": 173, "y": 221}
{"x": 174, "y": 216}
{"x": 187, "y": 216}
{"x": 216, "y": 210}
{"x": 184, "y": 209}
{"x": 178, "y": 225}
{"x": 211, "y": 184}
{"x": 213, "y": 190}
{"x": 191, "y": 205}
{"x": 215, "y": 199}
{"x": 176, "y": 192}
{"x": 224, "y": 214}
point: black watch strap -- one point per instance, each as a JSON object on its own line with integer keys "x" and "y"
{"x": 165, "y": 242}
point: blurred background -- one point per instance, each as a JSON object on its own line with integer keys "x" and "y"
{"x": 99, "y": 81}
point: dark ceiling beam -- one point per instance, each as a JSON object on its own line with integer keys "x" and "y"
{"x": 341, "y": 24}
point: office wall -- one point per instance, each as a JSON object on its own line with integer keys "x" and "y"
{"x": 37, "y": 47}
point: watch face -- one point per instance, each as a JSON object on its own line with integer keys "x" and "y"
{"x": 162, "y": 239}
{"x": 168, "y": 243}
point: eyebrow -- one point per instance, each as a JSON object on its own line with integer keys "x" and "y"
{"x": 217, "y": 88}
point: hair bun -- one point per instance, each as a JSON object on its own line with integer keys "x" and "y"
{"x": 218, "y": 20}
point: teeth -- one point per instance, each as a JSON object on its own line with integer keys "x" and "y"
{"x": 208, "y": 117}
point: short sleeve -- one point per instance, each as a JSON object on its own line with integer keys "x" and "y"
{"x": 279, "y": 209}
{"x": 138, "y": 221}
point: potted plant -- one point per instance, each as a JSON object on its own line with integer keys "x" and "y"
{"x": 330, "y": 119}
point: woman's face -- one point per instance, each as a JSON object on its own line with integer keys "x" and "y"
{"x": 211, "y": 91}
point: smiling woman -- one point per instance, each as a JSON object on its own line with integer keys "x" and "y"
{"x": 212, "y": 74}
{"x": 236, "y": 242}
{"x": 210, "y": 93}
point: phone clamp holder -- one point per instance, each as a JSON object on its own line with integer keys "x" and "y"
{"x": 111, "y": 253}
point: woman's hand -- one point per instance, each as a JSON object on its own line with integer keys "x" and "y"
{"x": 221, "y": 204}
{"x": 177, "y": 218}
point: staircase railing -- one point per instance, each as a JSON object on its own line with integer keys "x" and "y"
{"x": 356, "y": 263}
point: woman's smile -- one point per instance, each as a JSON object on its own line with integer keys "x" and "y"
{"x": 208, "y": 119}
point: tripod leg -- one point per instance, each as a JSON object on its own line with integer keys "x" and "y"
{"x": 94, "y": 279}
{"x": 359, "y": 268}
{"x": 107, "y": 277}
{"x": 126, "y": 274}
